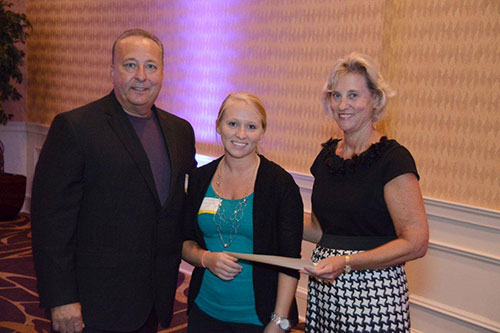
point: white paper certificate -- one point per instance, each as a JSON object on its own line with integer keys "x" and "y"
{"x": 287, "y": 262}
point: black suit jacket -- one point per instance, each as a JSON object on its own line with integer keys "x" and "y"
{"x": 277, "y": 229}
{"x": 100, "y": 235}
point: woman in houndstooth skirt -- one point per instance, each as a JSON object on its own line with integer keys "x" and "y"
{"x": 368, "y": 214}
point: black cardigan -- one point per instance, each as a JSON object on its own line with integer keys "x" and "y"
{"x": 277, "y": 229}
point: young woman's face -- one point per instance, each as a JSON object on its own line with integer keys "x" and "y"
{"x": 240, "y": 129}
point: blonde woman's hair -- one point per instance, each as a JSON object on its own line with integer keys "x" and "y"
{"x": 247, "y": 98}
{"x": 359, "y": 64}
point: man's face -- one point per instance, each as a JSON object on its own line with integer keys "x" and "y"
{"x": 137, "y": 74}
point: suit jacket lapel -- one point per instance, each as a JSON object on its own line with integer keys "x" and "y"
{"x": 170, "y": 135}
{"x": 125, "y": 131}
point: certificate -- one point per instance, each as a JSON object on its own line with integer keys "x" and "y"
{"x": 287, "y": 262}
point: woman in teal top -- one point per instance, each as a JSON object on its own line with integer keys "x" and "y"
{"x": 234, "y": 300}
{"x": 241, "y": 202}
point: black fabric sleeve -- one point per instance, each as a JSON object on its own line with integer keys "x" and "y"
{"x": 56, "y": 197}
{"x": 317, "y": 160}
{"x": 290, "y": 221}
{"x": 398, "y": 162}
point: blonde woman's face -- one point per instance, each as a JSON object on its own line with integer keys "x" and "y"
{"x": 240, "y": 129}
{"x": 352, "y": 103}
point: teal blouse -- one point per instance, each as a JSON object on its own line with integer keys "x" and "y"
{"x": 230, "y": 301}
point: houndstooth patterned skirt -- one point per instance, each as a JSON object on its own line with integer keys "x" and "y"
{"x": 361, "y": 301}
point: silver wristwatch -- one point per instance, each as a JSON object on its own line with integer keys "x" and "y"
{"x": 282, "y": 322}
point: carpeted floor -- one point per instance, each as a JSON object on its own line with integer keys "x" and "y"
{"x": 18, "y": 298}
{"x": 19, "y": 307}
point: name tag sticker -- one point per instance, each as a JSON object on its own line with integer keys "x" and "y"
{"x": 210, "y": 205}
{"x": 186, "y": 183}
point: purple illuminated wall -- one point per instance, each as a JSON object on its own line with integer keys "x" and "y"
{"x": 200, "y": 66}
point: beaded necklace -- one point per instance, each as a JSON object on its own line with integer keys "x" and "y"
{"x": 232, "y": 221}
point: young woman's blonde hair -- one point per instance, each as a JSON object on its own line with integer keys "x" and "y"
{"x": 247, "y": 98}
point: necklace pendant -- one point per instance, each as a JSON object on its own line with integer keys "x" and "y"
{"x": 226, "y": 245}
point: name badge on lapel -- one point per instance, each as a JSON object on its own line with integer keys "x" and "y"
{"x": 210, "y": 205}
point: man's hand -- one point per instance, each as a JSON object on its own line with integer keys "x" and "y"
{"x": 67, "y": 318}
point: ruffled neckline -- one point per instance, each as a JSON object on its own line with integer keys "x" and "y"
{"x": 338, "y": 165}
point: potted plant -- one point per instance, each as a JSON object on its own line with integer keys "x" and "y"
{"x": 13, "y": 30}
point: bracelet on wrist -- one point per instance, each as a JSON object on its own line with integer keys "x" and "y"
{"x": 347, "y": 266}
{"x": 203, "y": 258}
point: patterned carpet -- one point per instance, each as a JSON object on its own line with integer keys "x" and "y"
{"x": 19, "y": 307}
{"x": 18, "y": 298}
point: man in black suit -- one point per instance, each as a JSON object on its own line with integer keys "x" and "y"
{"x": 107, "y": 200}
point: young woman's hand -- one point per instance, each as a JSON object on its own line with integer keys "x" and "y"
{"x": 222, "y": 265}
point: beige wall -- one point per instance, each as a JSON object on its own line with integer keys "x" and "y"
{"x": 443, "y": 58}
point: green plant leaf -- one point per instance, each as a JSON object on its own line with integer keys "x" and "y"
{"x": 14, "y": 29}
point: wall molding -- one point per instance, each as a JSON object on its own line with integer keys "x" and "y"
{"x": 446, "y": 211}
{"x": 24, "y": 144}
{"x": 15, "y": 126}
{"x": 469, "y": 253}
{"x": 40, "y": 129}
{"x": 25, "y": 128}
{"x": 452, "y": 312}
